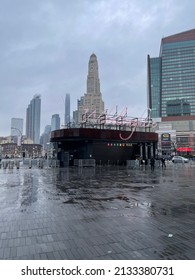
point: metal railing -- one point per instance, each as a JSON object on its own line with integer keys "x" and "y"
{"x": 29, "y": 163}
{"x": 133, "y": 164}
{"x": 84, "y": 162}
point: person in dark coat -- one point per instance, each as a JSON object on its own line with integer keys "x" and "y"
{"x": 152, "y": 163}
{"x": 163, "y": 162}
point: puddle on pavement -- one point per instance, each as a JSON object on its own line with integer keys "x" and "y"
{"x": 95, "y": 189}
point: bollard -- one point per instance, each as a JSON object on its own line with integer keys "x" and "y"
{"x": 38, "y": 163}
{"x": 17, "y": 164}
{"x": 41, "y": 163}
{"x": 4, "y": 164}
{"x": 11, "y": 164}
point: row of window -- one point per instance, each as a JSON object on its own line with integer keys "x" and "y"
{"x": 179, "y": 73}
{"x": 178, "y": 83}
{"x": 178, "y": 47}
{"x": 185, "y": 107}
{"x": 186, "y": 66}
{"x": 181, "y": 97}
{"x": 180, "y": 53}
{"x": 178, "y": 91}
{"x": 184, "y": 75}
{"x": 173, "y": 82}
{"x": 174, "y": 97}
{"x": 176, "y": 67}
{"x": 183, "y": 52}
{"x": 180, "y": 70}
{"x": 177, "y": 109}
{"x": 172, "y": 60}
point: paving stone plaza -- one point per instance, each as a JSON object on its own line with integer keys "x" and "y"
{"x": 106, "y": 212}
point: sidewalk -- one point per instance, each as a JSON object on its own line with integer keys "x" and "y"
{"x": 98, "y": 213}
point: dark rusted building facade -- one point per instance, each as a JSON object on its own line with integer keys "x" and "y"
{"x": 103, "y": 145}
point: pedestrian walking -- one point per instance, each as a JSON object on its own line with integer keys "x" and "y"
{"x": 163, "y": 162}
{"x": 152, "y": 163}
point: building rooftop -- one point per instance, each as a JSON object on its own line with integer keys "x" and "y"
{"x": 183, "y": 36}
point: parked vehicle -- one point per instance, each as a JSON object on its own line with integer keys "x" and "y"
{"x": 179, "y": 159}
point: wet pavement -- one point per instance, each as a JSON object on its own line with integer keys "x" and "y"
{"x": 98, "y": 213}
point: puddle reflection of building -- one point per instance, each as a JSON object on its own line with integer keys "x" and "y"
{"x": 63, "y": 174}
{"x": 29, "y": 184}
{"x": 86, "y": 172}
{"x": 9, "y": 188}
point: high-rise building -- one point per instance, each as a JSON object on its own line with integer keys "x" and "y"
{"x": 171, "y": 79}
{"x": 16, "y": 126}
{"x": 17, "y": 130}
{"x": 67, "y": 110}
{"x": 45, "y": 138}
{"x": 91, "y": 102}
{"x": 55, "y": 122}
{"x": 33, "y": 119}
{"x": 171, "y": 89}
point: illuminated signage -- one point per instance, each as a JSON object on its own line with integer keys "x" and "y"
{"x": 119, "y": 144}
{"x": 165, "y": 137}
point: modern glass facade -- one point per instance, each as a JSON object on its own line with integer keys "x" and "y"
{"x": 155, "y": 86}
{"x": 171, "y": 77}
{"x": 16, "y": 126}
{"x": 17, "y": 130}
{"x": 67, "y": 110}
{"x": 55, "y": 122}
{"x": 33, "y": 119}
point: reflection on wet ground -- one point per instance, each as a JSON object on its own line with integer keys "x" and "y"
{"x": 84, "y": 213}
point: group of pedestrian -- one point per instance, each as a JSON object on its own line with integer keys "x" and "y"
{"x": 160, "y": 160}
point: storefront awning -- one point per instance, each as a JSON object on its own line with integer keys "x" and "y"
{"x": 184, "y": 149}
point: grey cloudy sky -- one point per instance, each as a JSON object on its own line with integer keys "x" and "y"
{"x": 46, "y": 44}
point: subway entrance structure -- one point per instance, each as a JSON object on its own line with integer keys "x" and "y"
{"x": 105, "y": 139}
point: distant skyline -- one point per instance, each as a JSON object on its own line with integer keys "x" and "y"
{"x": 45, "y": 46}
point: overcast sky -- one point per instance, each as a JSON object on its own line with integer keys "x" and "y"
{"x": 45, "y": 47}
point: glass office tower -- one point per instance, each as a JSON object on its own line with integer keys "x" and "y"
{"x": 154, "y": 68}
{"x": 17, "y": 130}
{"x": 171, "y": 77}
{"x": 67, "y": 109}
{"x": 33, "y": 119}
{"x": 55, "y": 122}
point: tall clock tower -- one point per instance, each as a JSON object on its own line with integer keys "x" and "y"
{"x": 93, "y": 82}
{"x": 92, "y": 101}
